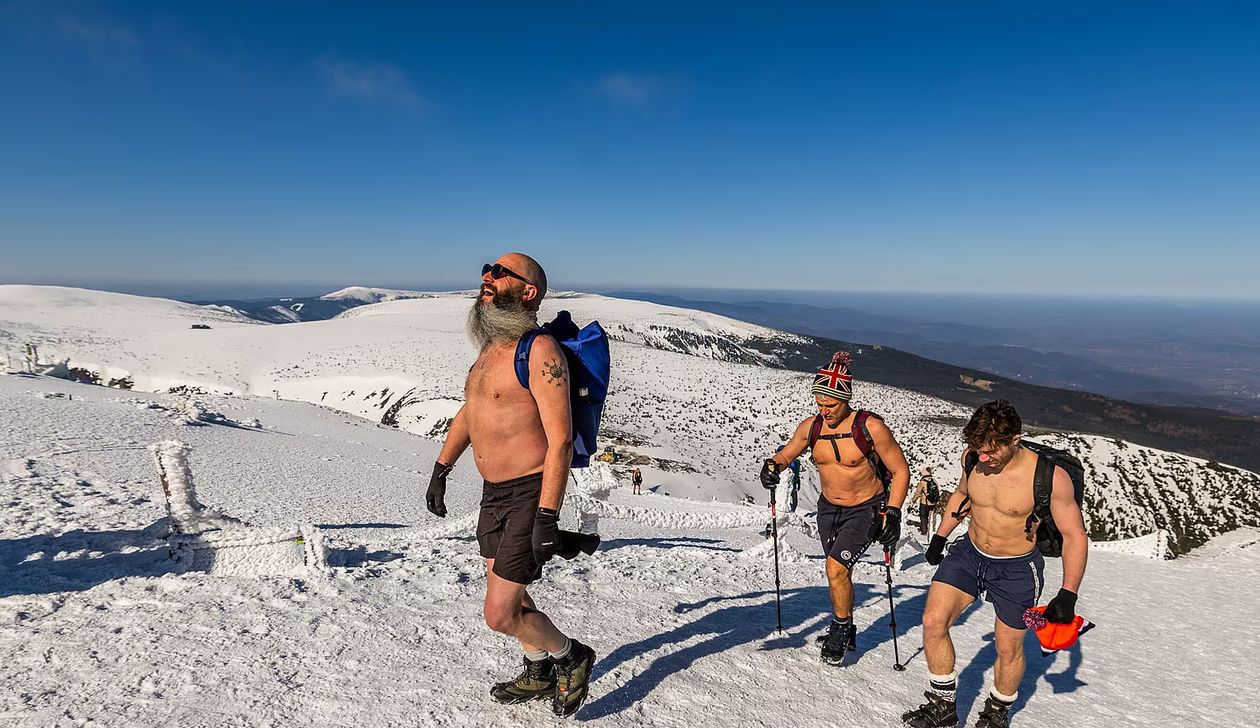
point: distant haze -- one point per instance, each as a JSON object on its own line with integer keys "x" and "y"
{"x": 1197, "y": 353}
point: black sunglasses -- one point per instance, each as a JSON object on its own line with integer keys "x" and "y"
{"x": 498, "y": 270}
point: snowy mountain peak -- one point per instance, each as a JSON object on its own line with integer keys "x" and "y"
{"x": 371, "y": 295}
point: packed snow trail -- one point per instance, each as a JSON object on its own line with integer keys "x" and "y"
{"x": 96, "y": 629}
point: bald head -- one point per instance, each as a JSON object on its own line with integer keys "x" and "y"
{"x": 531, "y": 270}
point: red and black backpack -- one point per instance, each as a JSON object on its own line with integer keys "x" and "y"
{"x": 861, "y": 437}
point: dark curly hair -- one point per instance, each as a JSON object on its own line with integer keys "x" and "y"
{"x": 993, "y": 424}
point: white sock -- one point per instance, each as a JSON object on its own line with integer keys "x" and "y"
{"x": 945, "y": 686}
{"x": 536, "y": 656}
{"x": 563, "y": 652}
{"x": 1006, "y": 700}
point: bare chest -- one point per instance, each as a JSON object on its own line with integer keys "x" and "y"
{"x": 492, "y": 379}
{"x": 839, "y": 452}
{"x": 1007, "y": 495}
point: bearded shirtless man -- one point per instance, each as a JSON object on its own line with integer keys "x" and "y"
{"x": 855, "y": 509}
{"x": 997, "y": 556}
{"x": 522, "y": 441}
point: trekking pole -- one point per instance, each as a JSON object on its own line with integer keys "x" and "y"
{"x": 892, "y": 610}
{"x": 774, "y": 535}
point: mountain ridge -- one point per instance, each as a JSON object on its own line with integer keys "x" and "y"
{"x": 699, "y": 398}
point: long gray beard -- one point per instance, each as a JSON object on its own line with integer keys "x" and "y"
{"x": 499, "y": 321}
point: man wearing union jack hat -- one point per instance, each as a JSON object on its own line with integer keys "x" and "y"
{"x": 864, "y": 478}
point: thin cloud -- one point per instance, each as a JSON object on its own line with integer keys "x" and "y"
{"x": 378, "y": 82}
{"x": 629, "y": 89}
{"x": 97, "y": 32}
{"x": 112, "y": 47}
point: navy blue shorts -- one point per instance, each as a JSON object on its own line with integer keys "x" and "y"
{"x": 845, "y": 531}
{"x": 1011, "y": 585}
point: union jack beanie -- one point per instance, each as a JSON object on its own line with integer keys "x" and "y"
{"x": 834, "y": 380}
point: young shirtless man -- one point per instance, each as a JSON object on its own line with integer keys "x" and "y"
{"x": 522, "y": 443}
{"x": 998, "y": 555}
{"x": 854, "y": 510}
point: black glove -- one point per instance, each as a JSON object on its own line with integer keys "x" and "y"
{"x": 936, "y": 550}
{"x": 890, "y": 532}
{"x": 546, "y": 541}
{"x": 573, "y": 543}
{"x": 1062, "y": 609}
{"x": 769, "y": 474}
{"x": 435, "y": 497}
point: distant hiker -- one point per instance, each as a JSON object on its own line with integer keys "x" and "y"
{"x": 522, "y": 440}
{"x": 926, "y": 495}
{"x": 636, "y": 480}
{"x": 864, "y": 479}
{"x": 1001, "y": 556}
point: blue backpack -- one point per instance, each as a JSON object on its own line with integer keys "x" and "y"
{"x": 586, "y": 351}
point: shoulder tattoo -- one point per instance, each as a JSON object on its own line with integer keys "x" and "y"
{"x": 555, "y": 372}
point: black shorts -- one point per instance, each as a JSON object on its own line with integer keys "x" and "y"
{"x": 505, "y": 529}
{"x": 845, "y": 531}
{"x": 1011, "y": 584}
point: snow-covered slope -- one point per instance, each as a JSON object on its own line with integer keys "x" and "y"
{"x": 97, "y": 629}
{"x": 689, "y": 401}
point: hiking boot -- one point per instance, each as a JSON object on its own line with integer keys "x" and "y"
{"x": 937, "y": 712}
{"x": 537, "y": 680}
{"x": 573, "y": 675}
{"x": 852, "y": 636}
{"x": 823, "y": 637}
{"x": 839, "y": 641}
{"x": 994, "y": 715}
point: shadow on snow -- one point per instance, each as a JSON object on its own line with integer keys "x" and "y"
{"x": 805, "y": 611}
{"x": 79, "y": 560}
{"x": 667, "y": 542}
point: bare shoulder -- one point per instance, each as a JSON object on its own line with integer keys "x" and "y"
{"x": 1061, "y": 484}
{"x": 877, "y": 426}
{"x": 545, "y": 344}
{"x": 880, "y": 432}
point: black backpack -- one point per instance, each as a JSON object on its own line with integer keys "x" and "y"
{"x": 1049, "y": 540}
{"x": 933, "y": 491}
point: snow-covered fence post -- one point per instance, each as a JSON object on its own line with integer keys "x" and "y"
{"x": 171, "y": 457}
{"x": 213, "y": 542}
{"x": 590, "y": 489}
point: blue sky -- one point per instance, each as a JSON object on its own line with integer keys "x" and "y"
{"x": 1078, "y": 148}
